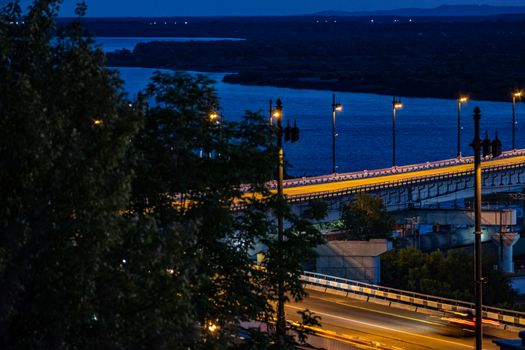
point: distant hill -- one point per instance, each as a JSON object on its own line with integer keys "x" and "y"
{"x": 444, "y": 10}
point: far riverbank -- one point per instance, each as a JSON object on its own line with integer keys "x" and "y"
{"x": 482, "y": 59}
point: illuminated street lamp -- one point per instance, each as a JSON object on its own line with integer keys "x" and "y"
{"x": 396, "y": 104}
{"x": 214, "y": 117}
{"x": 336, "y": 107}
{"x": 515, "y": 95}
{"x": 461, "y": 100}
{"x": 290, "y": 134}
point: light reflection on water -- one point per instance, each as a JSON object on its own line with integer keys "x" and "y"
{"x": 426, "y": 127}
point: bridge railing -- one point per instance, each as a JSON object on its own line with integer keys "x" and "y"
{"x": 303, "y": 181}
{"x": 390, "y": 184}
{"x": 400, "y": 298}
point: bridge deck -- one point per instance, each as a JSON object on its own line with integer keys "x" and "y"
{"x": 397, "y": 177}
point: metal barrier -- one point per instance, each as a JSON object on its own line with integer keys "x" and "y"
{"x": 417, "y": 301}
{"x": 386, "y": 171}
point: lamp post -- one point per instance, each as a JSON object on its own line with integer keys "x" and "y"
{"x": 276, "y": 116}
{"x": 489, "y": 148}
{"x": 461, "y": 100}
{"x": 215, "y": 121}
{"x": 290, "y": 134}
{"x": 515, "y": 95}
{"x": 336, "y": 107}
{"x": 396, "y": 104}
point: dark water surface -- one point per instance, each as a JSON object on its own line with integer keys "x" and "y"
{"x": 426, "y": 127}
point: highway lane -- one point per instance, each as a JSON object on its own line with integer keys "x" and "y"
{"x": 348, "y": 184}
{"x": 399, "y": 329}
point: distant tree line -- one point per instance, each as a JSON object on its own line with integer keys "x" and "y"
{"x": 434, "y": 58}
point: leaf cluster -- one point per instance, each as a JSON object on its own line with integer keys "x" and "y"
{"x": 130, "y": 225}
{"x": 365, "y": 217}
{"x": 449, "y": 275}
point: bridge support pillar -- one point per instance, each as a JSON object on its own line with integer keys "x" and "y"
{"x": 505, "y": 242}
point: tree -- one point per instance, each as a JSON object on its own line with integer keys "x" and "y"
{"x": 123, "y": 226}
{"x": 431, "y": 273}
{"x": 65, "y": 128}
{"x": 205, "y": 166}
{"x": 365, "y": 217}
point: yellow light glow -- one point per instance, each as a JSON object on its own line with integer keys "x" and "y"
{"x": 214, "y": 116}
{"x": 98, "y": 122}
{"x": 277, "y": 113}
{"x": 212, "y": 327}
{"x": 463, "y": 99}
{"x": 339, "y": 107}
{"x": 518, "y": 94}
{"x": 398, "y": 105}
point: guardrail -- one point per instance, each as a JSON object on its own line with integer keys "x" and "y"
{"x": 303, "y": 181}
{"x": 390, "y": 184}
{"x": 408, "y": 300}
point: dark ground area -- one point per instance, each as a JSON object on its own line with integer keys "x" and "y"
{"x": 483, "y": 57}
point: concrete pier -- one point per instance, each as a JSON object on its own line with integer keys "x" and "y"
{"x": 505, "y": 242}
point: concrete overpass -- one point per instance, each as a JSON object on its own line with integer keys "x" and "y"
{"x": 413, "y": 185}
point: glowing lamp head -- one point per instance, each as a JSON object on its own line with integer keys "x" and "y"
{"x": 98, "y": 122}
{"x": 398, "y": 104}
{"x": 463, "y": 99}
{"x": 338, "y": 107}
{"x": 276, "y": 113}
{"x": 214, "y": 116}
{"x": 518, "y": 94}
{"x": 212, "y": 327}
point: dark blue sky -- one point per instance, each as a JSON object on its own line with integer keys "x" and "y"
{"x": 141, "y": 8}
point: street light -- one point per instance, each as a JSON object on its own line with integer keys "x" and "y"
{"x": 396, "y": 104}
{"x": 515, "y": 95}
{"x": 336, "y": 107}
{"x": 489, "y": 149}
{"x": 461, "y": 100}
{"x": 290, "y": 134}
{"x": 214, "y": 117}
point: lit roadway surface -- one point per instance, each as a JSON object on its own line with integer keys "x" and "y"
{"x": 392, "y": 328}
{"x": 396, "y": 177}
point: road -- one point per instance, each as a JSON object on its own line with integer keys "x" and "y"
{"x": 398, "y": 329}
{"x": 396, "y": 177}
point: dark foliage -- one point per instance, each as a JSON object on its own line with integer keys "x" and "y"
{"x": 449, "y": 276}
{"x": 482, "y": 57}
{"x": 365, "y": 217}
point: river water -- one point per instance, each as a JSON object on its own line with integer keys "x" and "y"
{"x": 426, "y": 127}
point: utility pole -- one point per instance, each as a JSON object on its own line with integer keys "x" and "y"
{"x": 336, "y": 107}
{"x": 396, "y": 104}
{"x": 290, "y": 134}
{"x": 515, "y": 95}
{"x": 476, "y": 145}
{"x": 277, "y": 114}
{"x": 493, "y": 149}
{"x": 461, "y": 99}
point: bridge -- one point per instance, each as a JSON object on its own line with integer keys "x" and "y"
{"x": 415, "y": 185}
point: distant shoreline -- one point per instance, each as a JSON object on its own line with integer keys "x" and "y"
{"x": 434, "y": 59}
{"x": 233, "y": 78}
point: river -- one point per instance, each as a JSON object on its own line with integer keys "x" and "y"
{"x": 426, "y": 127}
